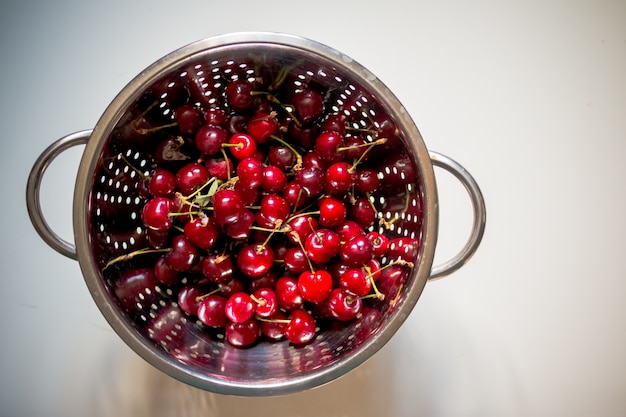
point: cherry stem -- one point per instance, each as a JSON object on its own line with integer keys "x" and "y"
{"x": 277, "y": 228}
{"x": 228, "y": 166}
{"x": 280, "y": 321}
{"x": 143, "y": 131}
{"x": 131, "y": 255}
{"x": 257, "y": 300}
{"x": 296, "y": 236}
{"x": 203, "y": 296}
{"x": 274, "y": 100}
{"x": 388, "y": 223}
{"x": 238, "y": 145}
{"x": 400, "y": 262}
{"x": 395, "y": 299}
{"x": 369, "y": 148}
{"x": 377, "y": 293}
{"x": 298, "y": 164}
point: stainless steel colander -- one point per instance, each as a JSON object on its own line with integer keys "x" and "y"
{"x": 108, "y": 200}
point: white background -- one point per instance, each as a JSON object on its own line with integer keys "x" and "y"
{"x": 530, "y": 96}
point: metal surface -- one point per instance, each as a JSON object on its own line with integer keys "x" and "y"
{"x": 106, "y": 189}
{"x": 479, "y": 219}
{"x": 33, "y": 188}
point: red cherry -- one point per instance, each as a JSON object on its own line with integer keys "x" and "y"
{"x": 250, "y": 172}
{"x": 189, "y": 119}
{"x": 164, "y": 273}
{"x": 241, "y": 146}
{"x": 342, "y": 306}
{"x": 301, "y": 327}
{"x": 210, "y": 138}
{"x": 357, "y": 252}
{"x": 240, "y": 229}
{"x": 201, "y": 232}
{"x": 239, "y": 94}
{"x": 273, "y": 211}
{"x": 261, "y": 126}
{"x": 242, "y": 334}
{"x": 191, "y": 177}
{"x": 339, "y": 178}
{"x": 266, "y": 302}
{"x": 212, "y": 311}
{"x": 322, "y": 245}
{"x": 301, "y": 227}
{"x": 327, "y": 146}
{"x": 315, "y": 286}
{"x": 188, "y": 299}
{"x": 162, "y": 183}
{"x": 380, "y": 243}
{"x": 255, "y": 260}
{"x": 239, "y": 307}
{"x": 355, "y": 281}
{"x": 274, "y": 327}
{"x": 295, "y": 260}
{"x": 217, "y": 268}
{"x": 287, "y": 294}
{"x": 228, "y": 206}
{"x": 366, "y": 181}
{"x": 308, "y": 104}
{"x": 348, "y": 230}
{"x": 281, "y": 157}
{"x": 332, "y": 212}
{"x": 362, "y": 212}
{"x": 273, "y": 179}
{"x": 156, "y": 214}
{"x": 183, "y": 255}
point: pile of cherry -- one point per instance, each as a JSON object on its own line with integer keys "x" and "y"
{"x": 267, "y": 229}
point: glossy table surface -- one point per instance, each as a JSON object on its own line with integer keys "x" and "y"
{"x": 529, "y": 96}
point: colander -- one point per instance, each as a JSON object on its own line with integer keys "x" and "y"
{"x": 108, "y": 199}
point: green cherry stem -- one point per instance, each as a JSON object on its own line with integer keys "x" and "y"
{"x": 131, "y": 255}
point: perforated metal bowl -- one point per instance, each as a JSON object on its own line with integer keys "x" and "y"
{"x": 108, "y": 200}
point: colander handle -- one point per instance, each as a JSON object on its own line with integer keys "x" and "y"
{"x": 33, "y": 188}
{"x": 478, "y": 226}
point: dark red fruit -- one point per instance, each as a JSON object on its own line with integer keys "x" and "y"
{"x": 191, "y": 177}
{"x": 210, "y": 138}
{"x": 189, "y": 119}
{"x": 255, "y": 260}
{"x": 217, "y": 268}
{"x": 266, "y": 302}
{"x": 242, "y": 334}
{"x": 239, "y": 95}
{"x": 228, "y": 206}
{"x": 301, "y": 327}
{"x": 287, "y": 294}
{"x": 212, "y": 310}
{"x": 261, "y": 126}
{"x": 239, "y": 307}
{"x": 308, "y": 104}
{"x": 241, "y": 146}
{"x": 183, "y": 255}
{"x": 343, "y": 306}
{"x": 332, "y": 212}
{"x": 155, "y": 214}
{"x": 201, "y": 232}
{"x": 189, "y": 299}
{"x": 357, "y": 252}
{"x": 315, "y": 286}
{"x": 327, "y": 146}
{"x": 322, "y": 245}
{"x": 162, "y": 183}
